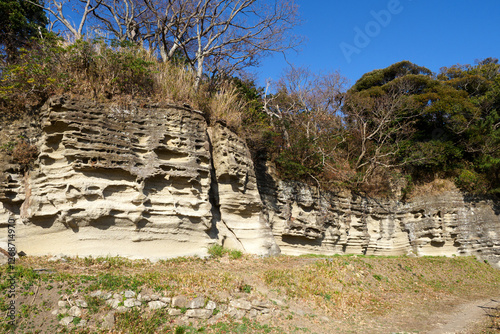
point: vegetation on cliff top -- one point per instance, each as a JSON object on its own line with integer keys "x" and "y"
{"x": 394, "y": 128}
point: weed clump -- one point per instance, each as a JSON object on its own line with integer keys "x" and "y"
{"x": 219, "y": 251}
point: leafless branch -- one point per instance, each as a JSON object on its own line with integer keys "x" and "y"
{"x": 59, "y": 12}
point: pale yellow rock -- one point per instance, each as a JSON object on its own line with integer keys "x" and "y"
{"x": 155, "y": 182}
{"x": 241, "y": 223}
{"x": 307, "y": 220}
{"x": 118, "y": 181}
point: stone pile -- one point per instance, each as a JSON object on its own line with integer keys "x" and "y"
{"x": 73, "y": 310}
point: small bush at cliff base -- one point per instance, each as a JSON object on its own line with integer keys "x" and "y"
{"x": 216, "y": 250}
{"x": 219, "y": 251}
{"x": 235, "y": 254}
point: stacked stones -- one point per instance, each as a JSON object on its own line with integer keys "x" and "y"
{"x": 70, "y": 311}
{"x": 186, "y": 309}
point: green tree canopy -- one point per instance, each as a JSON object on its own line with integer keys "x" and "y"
{"x": 383, "y": 76}
{"x": 455, "y": 123}
{"x": 19, "y": 22}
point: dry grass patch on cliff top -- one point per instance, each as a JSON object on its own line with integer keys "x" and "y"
{"x": 434, "y": 188}
{"x": 105, "y": 71}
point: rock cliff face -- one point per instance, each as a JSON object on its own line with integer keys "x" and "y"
{"x": 135, "y": 181}
{"x": 154, "y": 181}
{"x": 239, "y": 220}
{"x": 306, "y": 220}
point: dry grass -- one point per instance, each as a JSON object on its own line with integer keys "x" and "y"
{"x": 493, "y": 313}
{"x": 99, "y": 71}
{"x": 435, "y": 187}
{"x": 389, "y": 293}
{"x": 176, "y": 84}
{"x": 226, "y": 105}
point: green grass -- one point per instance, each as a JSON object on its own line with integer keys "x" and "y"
{"x": 135, "y": 321}
{"x": 339, "y": 286}
{"x": 245, "y": 326}
{"x": 94, "y": 304}
{"x": 246, "y": 288}
{"x": 111, "y": 282}
{"x": 219, "y": 251}
{"x": 216, "y": 251}
{"x": 235, "y": 254}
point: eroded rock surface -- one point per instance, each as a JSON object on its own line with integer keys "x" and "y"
{"x": 116, "y": 180}
{"x": 305, "y": 219}
{"x": 153, "y": 181}
{"x": 242, "y": 224}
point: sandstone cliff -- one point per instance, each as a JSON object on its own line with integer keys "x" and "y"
{"x": 155, "y": 181}
{"x": 305, "y": 219}
{"x": 135, "y": 181}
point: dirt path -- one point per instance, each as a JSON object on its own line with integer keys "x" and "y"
{"x": 465, "y": 317}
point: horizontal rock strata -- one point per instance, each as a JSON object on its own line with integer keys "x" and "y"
{"x": 242, "y": 225}
{"x": 133, "y": 181}
{"x": 154, "y": 181}
{"x": 305, "y": 219}
{"x": 109, "y": 177}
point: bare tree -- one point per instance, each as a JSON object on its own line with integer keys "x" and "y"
{"x": 174, "y": 21}
{"x": 58, "y": 12}
{"x": 127, "y": 20}
{"x": 378, "y": 126}
{"x": 212, "y": 36}
{"x": 310, "y": 105}
{"x": 312, "y": 100}
{"x": 223, "y": 35}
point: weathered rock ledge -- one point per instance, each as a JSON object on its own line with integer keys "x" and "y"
{"x": 157, "y": 182}
{"x": 306, "y": 220}
{"x": 136, "y": 182}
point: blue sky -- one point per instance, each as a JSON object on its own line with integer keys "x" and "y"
{"x": 428, "y": 33}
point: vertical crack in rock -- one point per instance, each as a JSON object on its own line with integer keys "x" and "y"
{"x": 219, "y": 229}
{"x": 243, "y": 224}
{"x": 118, "y": 180}
{"x": 153, "y": 181}
{"x": 446, "y": 224}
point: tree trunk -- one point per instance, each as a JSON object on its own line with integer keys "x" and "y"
{"x": 199, "y": 73}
